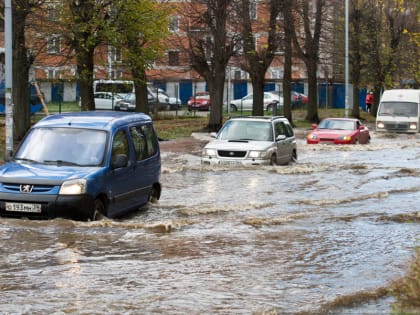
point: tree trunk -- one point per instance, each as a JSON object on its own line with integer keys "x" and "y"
{"x": 356, "y": 105}
{"x": 140, "y": 87}
{"x": 20, "y": 82}
{"x": 257, "y": 78}
{"x": 85, "y": 71}
{"x": 287, "y": 75}
{"x": 216, "y": 86}
{"x": 312, "y": 112}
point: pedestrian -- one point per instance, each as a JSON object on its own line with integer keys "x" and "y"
{"x": 369, "y": 101}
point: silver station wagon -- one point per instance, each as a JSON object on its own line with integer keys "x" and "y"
{"x": 252, "y": 140}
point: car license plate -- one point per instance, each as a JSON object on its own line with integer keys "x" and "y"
{"x": 231, "y": 163}
{"x": 23, "y": 207}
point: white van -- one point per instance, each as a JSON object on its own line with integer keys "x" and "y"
{"x": 398, "y": 111}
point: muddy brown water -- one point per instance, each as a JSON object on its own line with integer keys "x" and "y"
{"x": 254, "y": 240}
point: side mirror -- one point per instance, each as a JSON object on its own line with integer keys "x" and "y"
{"x": 280, "y": 137}
{"x": 314, "y": 126}
{"x": 361, "y": 127}
{"x": 121, "y": 160}
{"x": 213, "y": 134}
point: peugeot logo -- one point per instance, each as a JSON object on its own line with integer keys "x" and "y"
{"x": 26, "y": 188}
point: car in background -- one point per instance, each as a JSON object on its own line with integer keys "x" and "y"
{"x": 339, "y": 131}
{"x": 174, "y": 102}
{"x": 128, "y": 103}
{"x": 246, "y": 102}
{"x": 106, "y": 100}
{"x": 298, "y": 99}
{"x": 265, "y": 140}
{"x": 82, "y": 166}
{"x": 200, "y": 101}
{"x": 157, "y": 95}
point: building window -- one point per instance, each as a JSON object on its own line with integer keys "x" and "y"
{"x": 53, "y": 45}
{"x": 174, "y": 24}
{"x": 173, "y": 58}
{"x": 115, "y": 54}
{"x": 53, "y": 13}
{"x": 53, "y": 74}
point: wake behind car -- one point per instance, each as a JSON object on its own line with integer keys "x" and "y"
{"x": 339, "y": 131}
{"x": 81, "y": 166}
{"x": 262, "y": 140}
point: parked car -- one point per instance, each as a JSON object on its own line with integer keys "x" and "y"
{"x": 81, "y": 166}
{"x": 265, "y": 140}
{"x": 128, "y": 103}
{"x": 298, "y": 99}
{"x": 157, "y": 95}
{"x": 246, "y": 102}
{"x": 174, "y": 102}
{"x": 106, "y": 100}
{"x": 339, "y": 131}
{"x": 199, "y": 101}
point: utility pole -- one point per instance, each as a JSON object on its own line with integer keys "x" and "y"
{"x": 346, "y": 101}
{"x": 9, "y": 79}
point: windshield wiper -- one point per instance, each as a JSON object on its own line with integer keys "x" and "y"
{"x": 26, "y": 160}
{"x": 61, "y": 162}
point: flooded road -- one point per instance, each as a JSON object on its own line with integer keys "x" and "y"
{"x": 261, "y": 240}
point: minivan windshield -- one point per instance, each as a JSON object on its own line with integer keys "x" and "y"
{"x": 406, "y": 109}
{"x": 63, "y": 146}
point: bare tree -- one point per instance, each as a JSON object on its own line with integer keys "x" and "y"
{"x": 258, "y": 58}
{"x": 288, "y": 51}
{"x": 308, "y": 19}
{"x": 22, "y": 61}
{"x": 210, "y": 46}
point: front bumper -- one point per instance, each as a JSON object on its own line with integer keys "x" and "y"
{"x": 77, "y": 207}
{"x": 234, "y": 162}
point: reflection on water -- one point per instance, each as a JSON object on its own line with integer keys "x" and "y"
{"x": 342, "y": 222}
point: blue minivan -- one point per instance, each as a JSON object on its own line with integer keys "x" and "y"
{"x": 83, "y": 166}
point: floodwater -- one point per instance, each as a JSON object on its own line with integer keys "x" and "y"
{"x": 255, "y": 240}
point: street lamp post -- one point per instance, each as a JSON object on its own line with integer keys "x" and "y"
{"x": 8, "y": 74}
{"x": 346, "y": 101}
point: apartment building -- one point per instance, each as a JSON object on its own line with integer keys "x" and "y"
{"x": 56, "y": 73}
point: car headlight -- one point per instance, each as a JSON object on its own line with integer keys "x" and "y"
{"x": 413, "y": 126}
{"x": 73, "y": 187}
{"x": 209, "y": 152}
{"x": 380, "y": 125}
{"x": 312, "y": 136}
{"x": 257, "y": 154}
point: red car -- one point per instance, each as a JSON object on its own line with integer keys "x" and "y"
{"x": 339, "y": 131}
{"x": 298, "y": 99}
{"x": 201, "y": 101}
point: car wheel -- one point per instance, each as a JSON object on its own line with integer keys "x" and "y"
{"x": 154, "y": 195}
{"x": 294, "y": 157}
{"x": 273, "y": 160}
{"x": 98, "y": 211}
{"x": 233, "y": 108}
